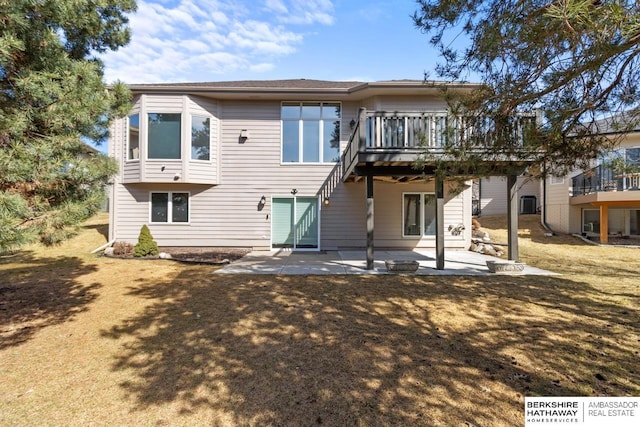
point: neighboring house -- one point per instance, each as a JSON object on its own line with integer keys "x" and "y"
{"x": 602, "y": 201}
{"x": 291, "y": 164}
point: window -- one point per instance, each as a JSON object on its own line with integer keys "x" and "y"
{"x": 169, "y": 207}
{"x": 164, "y": 135}
{"x": 632, "y": 156}
{"x": 310, "y": 132}
{"x": 557, "y": 180}
{"x": 200, "y": 138}
{"x": 419, "y": 214}
{"x": 133, "y": 148}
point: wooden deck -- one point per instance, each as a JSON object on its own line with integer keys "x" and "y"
{"x": 389, "y": 143}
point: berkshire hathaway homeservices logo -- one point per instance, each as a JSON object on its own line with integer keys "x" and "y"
{"x": 582, "y": 411}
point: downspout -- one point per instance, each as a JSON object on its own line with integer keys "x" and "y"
{"x": 106, "y": 245}
{"x": 543, "y": 218}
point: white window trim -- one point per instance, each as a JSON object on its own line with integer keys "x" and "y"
{"x": 169, "y": 208}
{"x": 127, "y": 124}
{"x": 421, "y": 235}
{"x": 190, "y": 127}
{"x": 301, "y": 133}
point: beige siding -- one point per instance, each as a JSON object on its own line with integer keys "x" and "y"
{"x": 493, "y": 194}
{"x": 344, "y": 219}
{"x": 229, "y": 214}
{"x": 166, "y": 171}
{"x": 163, "y": 103}
{"x": 558, "y": 210}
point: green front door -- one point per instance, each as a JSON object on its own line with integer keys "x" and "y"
{"x": 295, "y": 223}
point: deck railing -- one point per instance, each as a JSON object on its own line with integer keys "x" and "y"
{"x": 602, "y": 178}
{"x": 379, "y": 131}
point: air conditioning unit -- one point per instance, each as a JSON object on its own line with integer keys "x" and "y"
{"x": 528, "y": 205}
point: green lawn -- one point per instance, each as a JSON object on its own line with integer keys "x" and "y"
{"x": 97, "y": 341}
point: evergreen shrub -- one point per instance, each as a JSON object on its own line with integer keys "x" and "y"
{"x": 146, "y": 245}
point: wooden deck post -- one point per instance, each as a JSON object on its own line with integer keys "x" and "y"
{"x": 369, "y": 222}
{"x": 512, "y": 216}
{"x": 439, "y": 223}
{"x": 604, "y": 223}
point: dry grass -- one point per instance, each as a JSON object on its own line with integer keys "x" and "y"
{"x": 97, "y": 341}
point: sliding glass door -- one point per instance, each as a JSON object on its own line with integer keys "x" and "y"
{"x": 295, "y": 223}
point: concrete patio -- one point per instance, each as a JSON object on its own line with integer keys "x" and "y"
{"x": 353, "y": 262}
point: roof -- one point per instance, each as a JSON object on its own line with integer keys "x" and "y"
{"x": 280, "y": 88}
{"x": 257, "y": 84}
{"x": 623, "y": 122}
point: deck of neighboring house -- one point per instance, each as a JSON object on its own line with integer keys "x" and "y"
{"x": 605, "y": 188}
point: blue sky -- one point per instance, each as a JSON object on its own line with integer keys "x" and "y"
{"x": 213, "y": 40}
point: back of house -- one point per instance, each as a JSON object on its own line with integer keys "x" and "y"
{"x": 284, "y": 164}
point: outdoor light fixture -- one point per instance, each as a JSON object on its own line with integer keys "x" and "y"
{"x": 352, "y": 124}
{"x": 244, "y": 135}
{"x": 294, "y": 191}
{"x": 326, "y": 201}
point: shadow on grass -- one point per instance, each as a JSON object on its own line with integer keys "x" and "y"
{"x": 103, "y": 229}
{"x": 347, "y": 350}
{"x": 37, "y": 292}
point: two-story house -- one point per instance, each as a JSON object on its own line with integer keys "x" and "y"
{"x": 602, "y": 201}
{"x": 293, "y": 164}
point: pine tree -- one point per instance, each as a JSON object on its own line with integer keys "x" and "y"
{"x": 146, "y": 245}
{"x": 577, "y": 61}
{"x": 52, "y": 98}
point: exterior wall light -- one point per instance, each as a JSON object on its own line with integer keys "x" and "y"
{"x": 244, "y": 135}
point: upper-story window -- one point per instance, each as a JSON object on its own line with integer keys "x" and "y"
{"x": 310, "y": 132}
{"x": 200, "y": 137}
{"x": 632, "y": 156}
{"x": 133, "y": 144}
{"x": 164, "y": 140}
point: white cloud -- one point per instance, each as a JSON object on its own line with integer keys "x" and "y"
{"x": 261, "y": 68}
{"x": 195, "y": 40}
{"x": 276, "y": 6}
{"x": 262, "y": 37}
{"x": 302, "y": 11}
